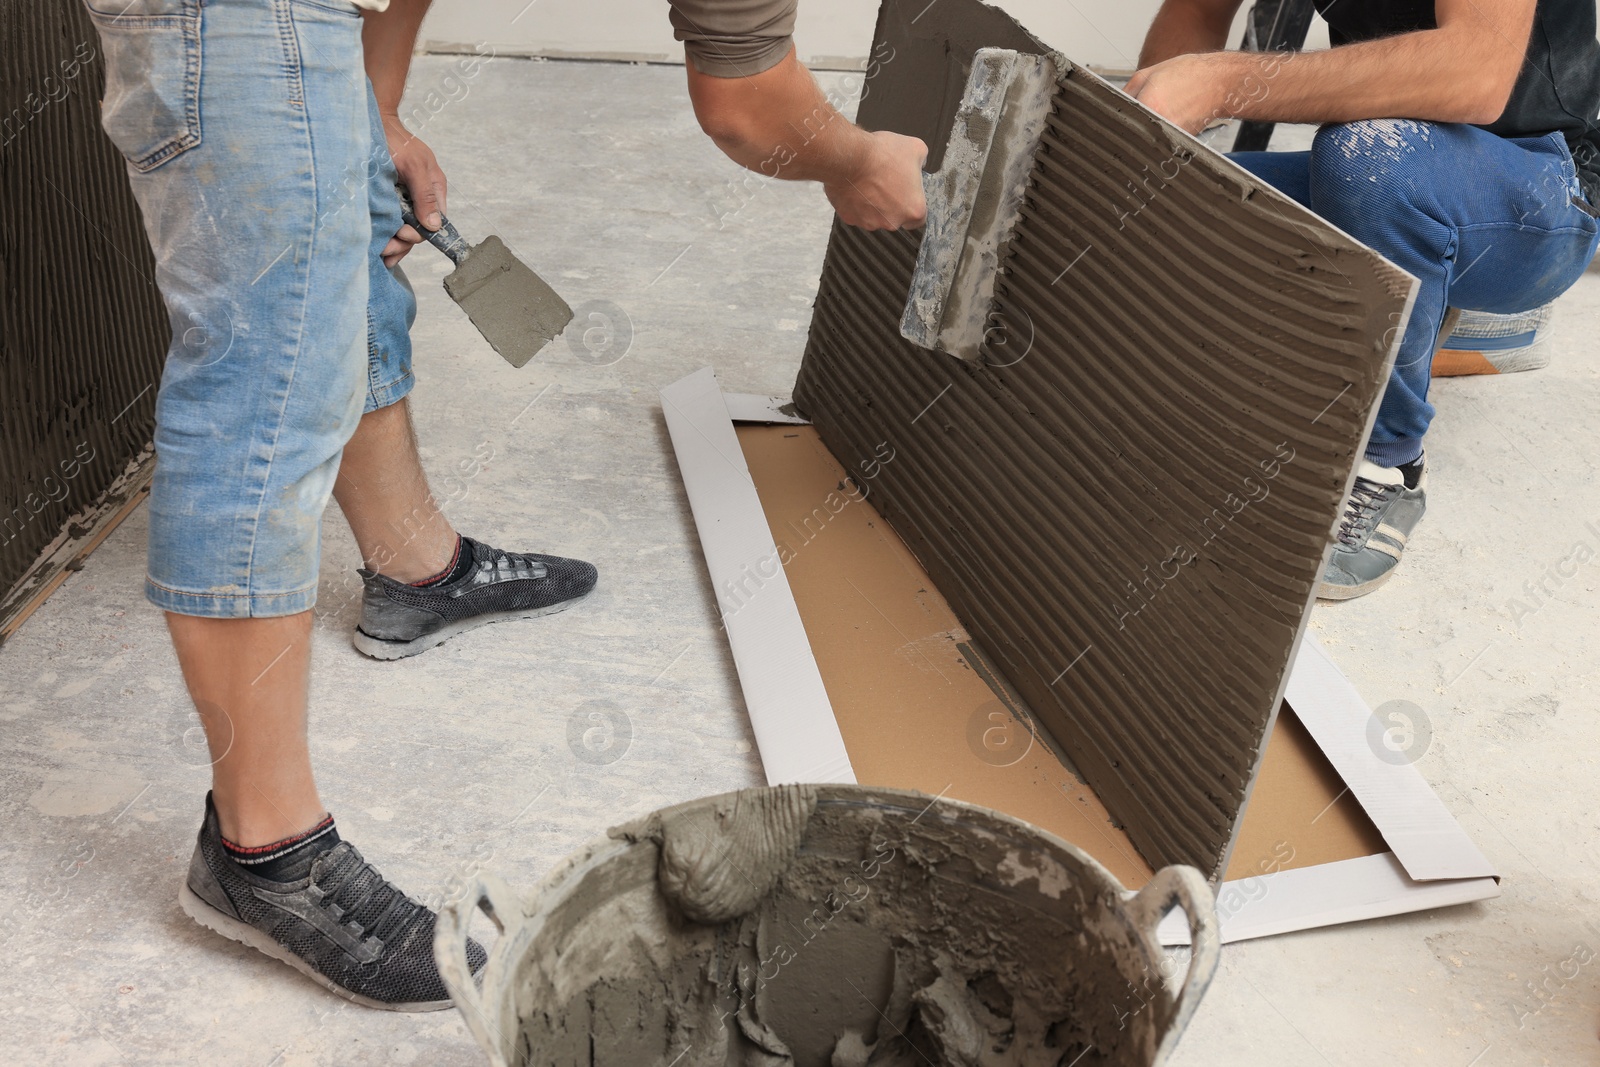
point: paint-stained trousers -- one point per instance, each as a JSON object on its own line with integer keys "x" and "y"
{"x": 1485, "y": 223}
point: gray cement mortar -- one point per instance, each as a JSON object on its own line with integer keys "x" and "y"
{"x": 831, "y": 926}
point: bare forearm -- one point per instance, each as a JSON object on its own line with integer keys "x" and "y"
{"x": 1433, "y": 75}
{"x": 1182, "y": 27}
{"x": 778, "y": 123}
{"x": 387, "y": 39}
{"x": 1463, "y": 71}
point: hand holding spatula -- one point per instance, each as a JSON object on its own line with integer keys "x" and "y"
{"x": 517, "y": 313}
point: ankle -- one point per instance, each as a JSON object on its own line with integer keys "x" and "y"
{"x": 288, "y": 858}
{"x": 415, "y": 562}
{"x": 267, "y": 822}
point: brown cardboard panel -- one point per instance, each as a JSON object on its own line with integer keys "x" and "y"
{"x": 920, "y": 709}
{"x": 1300, "y": 814}
{"x": 1128, "y": 502}
{"x": 915, "y": 712}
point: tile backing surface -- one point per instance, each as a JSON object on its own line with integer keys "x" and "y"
{"x": 77, "y": 373}
{"x": 1129, "y": 502}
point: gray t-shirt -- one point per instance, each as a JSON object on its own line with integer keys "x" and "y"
{"x": 734, "y": 38}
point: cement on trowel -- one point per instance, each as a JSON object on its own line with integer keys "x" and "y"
{"x": 974, "y": 198}
{"x": 893, "y": 934}
{"x": 1128, "y": 499}
{"x": 516, "y": 310}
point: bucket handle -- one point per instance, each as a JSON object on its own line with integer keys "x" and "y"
{"x": 1184, "y": 887}
{"x": 503, "y": 906}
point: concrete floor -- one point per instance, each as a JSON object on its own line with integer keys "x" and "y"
{"x": 474, "y": 754}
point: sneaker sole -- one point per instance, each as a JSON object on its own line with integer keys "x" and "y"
{"x": 377, "y": 648}
{"x": 234, "y": 930}
{"x": 1350, "y": 592}
{"x": 1459, "y": 363}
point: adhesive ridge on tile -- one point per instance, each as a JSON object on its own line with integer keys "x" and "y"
{"x": 1128, "y": 498}
{"x": 84, "y": 334}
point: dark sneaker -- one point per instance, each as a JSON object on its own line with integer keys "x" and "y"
{"x": 1384, "y": 507}
{"x": 400, "y": 620}
{"x": 344, "y": 925}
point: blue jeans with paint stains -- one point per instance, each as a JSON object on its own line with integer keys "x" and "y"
{"x": 257, "y": 158}
{"x": 1485, "y": 223}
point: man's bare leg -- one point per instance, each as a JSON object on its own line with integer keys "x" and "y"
{"x": 384, "y": 495}
{"x": 249, "y": 679}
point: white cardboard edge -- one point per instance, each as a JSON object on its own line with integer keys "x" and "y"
{"x": 1425, "y": 837}
{"x": 748, "y": 407}
{"x": 796, "y": 732}
{"x": 1369, "y": 887}
{"x": 724, "y": 503}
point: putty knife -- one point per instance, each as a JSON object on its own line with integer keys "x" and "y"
{"x": 517, "y": 313}
{"x": 974, "y": 198}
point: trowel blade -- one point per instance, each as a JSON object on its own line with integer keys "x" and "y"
{"x": 517, "y": 313}
{"x": 975, "y": 199}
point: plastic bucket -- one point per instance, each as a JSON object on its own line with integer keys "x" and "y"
{"x": 903, "y": 930}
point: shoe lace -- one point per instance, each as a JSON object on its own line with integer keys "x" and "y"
{"x": 354, "y": 888}
{"x": 1366, "y": 498}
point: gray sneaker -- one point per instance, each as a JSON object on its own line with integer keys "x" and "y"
{"x": 399, "y": 620}
{"x": 1485, "y": 343}
{"x": 344, "y": 926}
{"x": 1385, "y": 505}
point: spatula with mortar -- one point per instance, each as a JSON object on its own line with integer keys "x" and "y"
{"x": 517, "y": 313}
{"x": 975, "y": 199}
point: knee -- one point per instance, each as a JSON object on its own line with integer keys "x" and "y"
{"x": 1370, "y": 167}
{"x": 1359, "y": 150}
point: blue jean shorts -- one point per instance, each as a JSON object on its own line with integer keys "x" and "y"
{"x": 255, "y": 153}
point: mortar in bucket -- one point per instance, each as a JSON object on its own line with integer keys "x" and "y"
{"x": 829, "y": 926}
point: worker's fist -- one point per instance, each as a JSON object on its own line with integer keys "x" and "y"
{"x": 884, "y": 192}
{"x": 424, "y": 182}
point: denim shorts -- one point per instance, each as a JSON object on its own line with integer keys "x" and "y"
{"x": 255, "y": 153}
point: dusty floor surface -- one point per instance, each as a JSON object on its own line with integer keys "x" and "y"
{"x": 508, "y": 747}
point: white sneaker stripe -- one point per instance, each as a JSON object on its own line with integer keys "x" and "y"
{"x": 1386, "y": 549}
{"x": 1391, "y": 533}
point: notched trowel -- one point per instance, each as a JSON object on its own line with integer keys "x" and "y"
{"x": 517, "y": 313}
{"x": 974, "y": 198}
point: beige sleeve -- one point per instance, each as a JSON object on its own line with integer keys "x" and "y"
{"x": 734, "y": 38}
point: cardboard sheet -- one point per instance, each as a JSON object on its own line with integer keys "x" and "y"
{"x": 1425, "y": 837}
{"x": 920, "y": 708}
{"x": 1311, "y": 853}
{"x": 916, "y": 704}
{"x": 797, "y": 734}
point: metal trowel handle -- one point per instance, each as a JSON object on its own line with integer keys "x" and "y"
{"x": 445, "y": 238}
